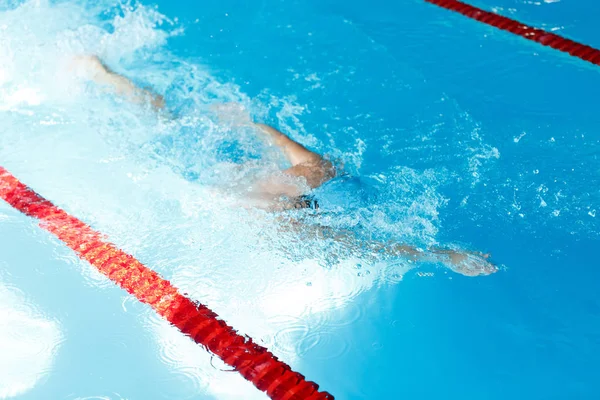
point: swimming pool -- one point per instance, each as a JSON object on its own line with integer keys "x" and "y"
{"x": 450, "y": 132}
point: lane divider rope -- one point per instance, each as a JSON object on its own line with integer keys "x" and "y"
{"x": 252, "y": 361}
{"x": 586, "y": 53}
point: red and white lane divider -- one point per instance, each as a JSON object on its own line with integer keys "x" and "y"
{"x": 253, "y": 362}
{"x": 586, "y": 53}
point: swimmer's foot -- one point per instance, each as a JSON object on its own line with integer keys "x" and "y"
{"x": 469, "y": 263}
{"x": 88, "y": 66}
{"x": 92, "y": 68}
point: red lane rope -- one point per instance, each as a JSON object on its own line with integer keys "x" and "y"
{"x": 253, "y": 362}
{"x": 541, "y": 36}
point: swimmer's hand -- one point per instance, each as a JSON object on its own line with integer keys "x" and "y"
{"x": 468, "y": 263}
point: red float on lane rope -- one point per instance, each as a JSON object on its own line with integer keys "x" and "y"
{"x": 557, "y": 42}
{"x": 253, "y": 362}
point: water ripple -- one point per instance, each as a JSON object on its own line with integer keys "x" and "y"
{"x": 29, "y": 342}
{"x": 324, "y": 345}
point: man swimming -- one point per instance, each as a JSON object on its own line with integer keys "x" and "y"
{"x": 292, "y": 187}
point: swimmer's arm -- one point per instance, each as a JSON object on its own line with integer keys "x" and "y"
{"x": 118, "y": 84}
{"x": 406, "y": 251}
{"x": 348, "y": 239}
{"x": 463, "y": 262}
{"x": 466, "y": 263}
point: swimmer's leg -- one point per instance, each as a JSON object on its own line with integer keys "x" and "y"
{"x": 305, "y": 163}
{"x": 118, "y": 84}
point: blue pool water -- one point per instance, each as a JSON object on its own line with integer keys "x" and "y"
{"x": 450, "y": 132}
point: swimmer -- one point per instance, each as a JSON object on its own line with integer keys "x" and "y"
{"x": 291, "y": 189}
